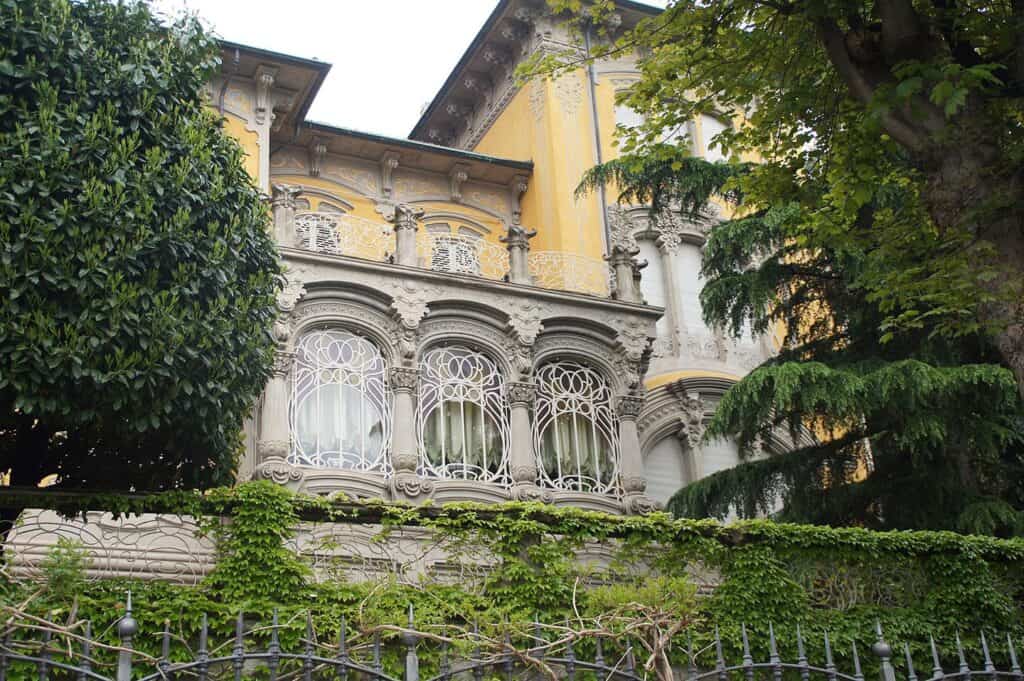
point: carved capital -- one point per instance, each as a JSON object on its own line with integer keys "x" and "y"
{"x": 522, "y": 393}
{"x": 517, "y": 236}
{"x": 407, "y": 217}
{"x": 283, "y": 195}
{"x": 622, "y": 255}
{"x": 271, "y": 450}
{"x": 630, "y": 406}
{"x": 283, "y": 362}
{"x": 404, "y": 379}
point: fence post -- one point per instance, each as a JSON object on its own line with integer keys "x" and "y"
{"x": 127, "y": 627}
{"x": 412, "y": 661}
{"x": 883, "y": 651}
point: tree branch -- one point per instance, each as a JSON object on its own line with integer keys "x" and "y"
{"x": 835, "y": 46}
{"x": 903, "y": 33}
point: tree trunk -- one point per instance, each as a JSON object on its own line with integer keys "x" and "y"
{"x": 970, "y": 188}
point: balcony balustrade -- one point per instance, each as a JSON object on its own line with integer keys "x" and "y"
{"x": 352, "y": 236}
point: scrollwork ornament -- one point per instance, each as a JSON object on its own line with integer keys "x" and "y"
{"x": 410, "y": 486}
{"x": 279, "y": 472}
{"x": 531, "y": 493}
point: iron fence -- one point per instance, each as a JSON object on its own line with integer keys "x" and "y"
{"x": 48, "y": 651}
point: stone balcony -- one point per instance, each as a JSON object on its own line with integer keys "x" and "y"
{"x": 542, "y": 353}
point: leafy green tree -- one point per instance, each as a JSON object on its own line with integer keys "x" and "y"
{"x": 921, "y": 431}
{"x": 843, "y": 84}
{"x": 137, "y": 273}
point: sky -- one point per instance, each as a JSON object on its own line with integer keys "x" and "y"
{"x": 389, "y": 57}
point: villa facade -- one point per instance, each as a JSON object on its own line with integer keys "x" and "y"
{"x": 457, "y": 324}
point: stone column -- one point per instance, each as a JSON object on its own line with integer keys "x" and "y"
{"x": 623, "y": 264}
{"x": 523, "y": 464}
{"x": 517, "y": 241}
{"x": 282, "y": 203}
{"x": 406, "y": 223}
{"x": 275, "y": 438}
{"x": 631, "y": 460}
{"x": 405, "y": 483}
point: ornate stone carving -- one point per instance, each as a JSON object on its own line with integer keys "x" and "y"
{"x": 388, "y": 163}
{"x": 525, "y": 319}
{"x": 268, "y": 450}
{"x": 317, "y": 153}
{"x": 639, "y": 504}
{"x": 634, "y": 484}
{"x": 404, "y": 379}
{"x": 283, "y": 362}
{"x": 691, "y": 414}
{"x": 265, "y": 77}
{"x": 410, "y": 486}
{"x": 630, "y": 406}
{"x": 407, "y": 217}
{"x": 283, "y": 195}
{"x": 496, "y": 55}
{"x": 521, "y": 393}
{"x": 531, "y": 492}
{"x": 632, "y": 337}
{"x": 621, "y": 226}
{"x": 443, "y": 137}
{"x": 458, "y": 175}
{"x": 276, "y": 470}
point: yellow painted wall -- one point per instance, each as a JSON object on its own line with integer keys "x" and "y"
{"x": 550, "y": 123}
{"x": 249, "y": 141}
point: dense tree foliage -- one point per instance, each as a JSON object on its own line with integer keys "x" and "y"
{"x": 921, "y": 430}
{"x": 881, "y": 229}
{"x": 137, "y": 274}
{"x": 842, "y": 85}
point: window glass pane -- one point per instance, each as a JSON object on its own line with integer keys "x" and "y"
{"x": 340, "y": 405}
{"x": 710, "y": 127}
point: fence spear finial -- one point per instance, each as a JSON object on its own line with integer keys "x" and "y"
{"x": 1014, "y": 664}
{"x": 911, "y": 674}
{"x": 937, "y": 672}
{"x": 857, "y": 673}
{"x": 964, "y": 669}
{"x": 989, "y": 667}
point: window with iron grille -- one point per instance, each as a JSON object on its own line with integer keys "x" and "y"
{"x": 575, "y": 430}
{"x": 340, "y": 409}
{"x": 462, "y": 416}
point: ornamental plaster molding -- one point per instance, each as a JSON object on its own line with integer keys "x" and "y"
{"x": 265, "y": 77}
{"x": 388, "y": 162}
{"x": 531, "y": 492}
{"x": 410, "y": 486}
{"x": 569, "y": 92}
{"x": 277, "y": 470}
{"x": 639, "y": 504}
{"x": 272, "y": 450}
{"x": 458, "y": 175}
{"x": 525, "y": 320}
{"x": 317, "y": 154}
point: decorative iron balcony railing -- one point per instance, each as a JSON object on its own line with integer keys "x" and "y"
{"x": 358, "y": 237}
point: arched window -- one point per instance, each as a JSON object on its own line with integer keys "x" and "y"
{"x": 575, "y": 430}
{"x": 340, "y": 409}
{"x": 462, "y": 416}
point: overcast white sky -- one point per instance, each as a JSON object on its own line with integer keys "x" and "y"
{"x": 389, "y": 57}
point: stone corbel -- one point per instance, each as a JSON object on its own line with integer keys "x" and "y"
{"x": 516, "y": 188}
{"x": 317, "y": 153}
{"x": 388, "y": 163}
{"x": 456, "y": 178}
{"x": 265, "y": 77}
